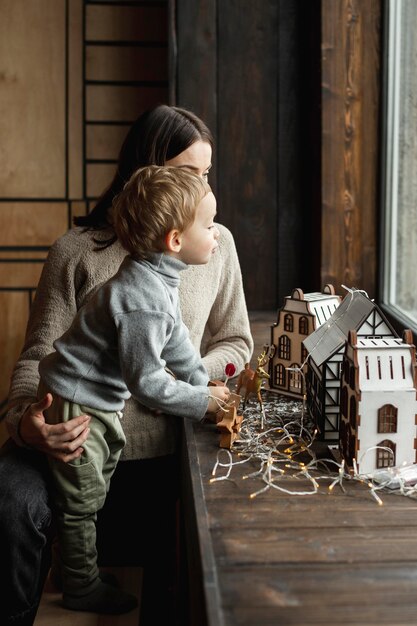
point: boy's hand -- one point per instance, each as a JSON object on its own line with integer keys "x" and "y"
{"x": 218, "y": 396}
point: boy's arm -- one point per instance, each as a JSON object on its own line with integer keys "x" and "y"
{"x": 141, "y": 345}
{"x": 181, "y": 356}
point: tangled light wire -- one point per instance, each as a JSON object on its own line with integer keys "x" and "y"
{"x": 278, "y": 450}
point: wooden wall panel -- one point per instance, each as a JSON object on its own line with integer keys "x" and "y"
{"x": 104, "y": 141}
{"x": 121, "y": 103}
{"x": 20, "y": 275}
{"x": 14, "y": 308}
{"x": 242, "y": 66}
{"x": 32, "y": 106}
{"x": 98, "y": 177}
{"x": 194, "y": 32}
{"x": 32, "y": 223}
{"x": 75, "y": 136}
{"x": 114, "y": 63}
{"x": 351, "y": 34}
{"x": 247, "y": 141}
{"x": 126, "y": 23}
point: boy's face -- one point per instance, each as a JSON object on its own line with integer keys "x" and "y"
{"x": 199, "y": 241}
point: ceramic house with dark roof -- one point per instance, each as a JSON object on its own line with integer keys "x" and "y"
{"x": 325, "y": 347}
{"x": 378, "y": 402}
{"x": 301, "y": 314}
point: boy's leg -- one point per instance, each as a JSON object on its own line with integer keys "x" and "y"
{"x": 25, "y": 529}
{"x": 81, "y": 489}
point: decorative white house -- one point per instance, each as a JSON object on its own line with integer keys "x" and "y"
{"x": 378, "y": 402}
{"x": 325, "y": 347}
{"x": 300, "y": 315}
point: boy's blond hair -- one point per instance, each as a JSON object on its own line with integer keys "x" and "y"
{"x": 156, "y": 200}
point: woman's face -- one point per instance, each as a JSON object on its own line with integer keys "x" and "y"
{"x": 196, "y": 158}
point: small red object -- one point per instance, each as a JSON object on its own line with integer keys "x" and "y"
{"x": 230, "y": 369}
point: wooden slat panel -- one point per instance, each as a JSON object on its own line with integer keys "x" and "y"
{"x": 126, "y": 23}
{"x": 14, "y": 311}
{"x": 32, "y": 223}
{"x": 121, "y": 103}
{"x": 99, "y": 176}
{"x": 247, "y": 148}
{"x": 22, "y": 254}
{"x": 19, "y": 275}
{"x": 32, "y": 106}
{"x": 104, "y": 142}
{"x": 78, "y": 208}
{"x": 196, "y": 64}
{"x": 114, "y": 63}
{"x": 350, "y": 94}
{"x": 75, "y": 100}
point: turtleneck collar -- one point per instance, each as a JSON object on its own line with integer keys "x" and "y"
{"x": 168, "y": 266}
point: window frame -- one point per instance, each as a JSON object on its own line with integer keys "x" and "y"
{"x": 389, "y": 167}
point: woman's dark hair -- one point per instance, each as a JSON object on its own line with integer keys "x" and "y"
{"x": 157, "y": 136}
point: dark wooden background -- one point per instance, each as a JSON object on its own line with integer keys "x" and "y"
{"x": 291, "y": 92}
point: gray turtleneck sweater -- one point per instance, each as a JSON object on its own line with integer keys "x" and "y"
{"x": 121, "y": 341}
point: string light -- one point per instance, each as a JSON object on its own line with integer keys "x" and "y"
{"x": 278, "y": 449}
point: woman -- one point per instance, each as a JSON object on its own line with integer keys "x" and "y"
{"x": 213, "y": 308}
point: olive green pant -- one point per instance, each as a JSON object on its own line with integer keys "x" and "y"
{"x": 80, "y": 490}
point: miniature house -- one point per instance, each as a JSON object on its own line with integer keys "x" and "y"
{"x": 378, "y": 402}
{"x": 325, "y": 347}
{"x": 301, "y": 314}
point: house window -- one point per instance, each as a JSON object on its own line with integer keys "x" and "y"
{"x": 304, "y": 353}
{"x": 387, "y": 419}
{"x": 399, "y": 249}
{"x": 303, "y": 326}
{"x": 352, "y": 412}
{"x": 288, "y": 323}
{"x": 280, "y": 377}
{"x": 295, "y": 378}
{"x": 284, "y": 348}
{"x": 378, "y": 358}
{"x": 385, "y": 458}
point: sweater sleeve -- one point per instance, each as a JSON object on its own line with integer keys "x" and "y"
{"x": 51, "y": 314}
{"x": 181, "y": 356}
{"x": 229, "y": 338}
{"x": 143, "y": 364}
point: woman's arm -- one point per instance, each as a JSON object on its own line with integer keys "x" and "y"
{"x": 52, "y": 312}
{"x": 229, "y": 339}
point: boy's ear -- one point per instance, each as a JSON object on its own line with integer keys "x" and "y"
{"x": 173, "y": 241}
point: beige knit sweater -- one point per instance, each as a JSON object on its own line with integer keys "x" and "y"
{"x": 212, "y": 304}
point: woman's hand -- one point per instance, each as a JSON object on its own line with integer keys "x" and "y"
{"x": 62, "y": 441}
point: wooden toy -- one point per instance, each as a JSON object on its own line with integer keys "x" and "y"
{"x": 301, "y": 314}
{"x": 251, "y": 379}
{"x": 230, "y": 422}
{"x": 378, "y": 402}
{"x": 325, "y": 347}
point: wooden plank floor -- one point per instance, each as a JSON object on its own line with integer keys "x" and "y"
{"x": 51, "y": 613}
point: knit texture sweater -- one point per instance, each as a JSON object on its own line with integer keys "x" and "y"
{"x": 212, "y": 305}
{"x": 121, "y": 341}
